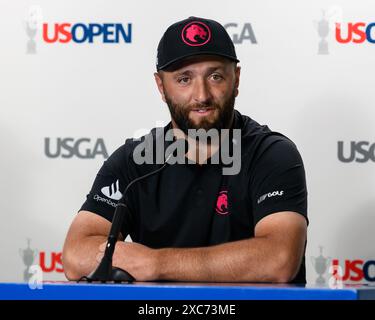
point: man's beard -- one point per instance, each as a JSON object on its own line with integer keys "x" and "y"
{"x": 180, "y": 114}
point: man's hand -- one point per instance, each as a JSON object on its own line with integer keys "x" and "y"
{"x": 140, "y": 261}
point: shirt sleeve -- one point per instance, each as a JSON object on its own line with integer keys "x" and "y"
{"x": 278, "y": 183}
{"x": 109, "y": 184}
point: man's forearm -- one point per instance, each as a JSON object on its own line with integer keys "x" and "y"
{"x": 80, "y": 258}
{"x": 250, "y": 260}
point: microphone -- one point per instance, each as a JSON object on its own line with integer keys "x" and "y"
{"x": 105, "y": 272}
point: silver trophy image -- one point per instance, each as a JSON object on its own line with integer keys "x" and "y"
{"x": 326, "y": 26}
{"x": 32, "y": 24}
{"x": 323, "y": 31}
{"x": 321, "y": 265}
{"x": 28, "y": 256}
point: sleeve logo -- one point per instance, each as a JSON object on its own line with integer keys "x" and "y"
{"x": 269, "y": 195}
{"x": 112, "y": 191}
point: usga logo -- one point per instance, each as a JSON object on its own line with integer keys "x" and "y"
{"x": 66, "y": 32}
{"x": 361, "y": 151}
{"x": 241, "y": 33}
{"x": 83, "y": 148}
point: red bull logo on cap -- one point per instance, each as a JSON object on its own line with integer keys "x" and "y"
{"x": 196, "y": 34}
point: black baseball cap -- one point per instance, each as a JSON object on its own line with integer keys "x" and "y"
{"x": 194, "y": 36}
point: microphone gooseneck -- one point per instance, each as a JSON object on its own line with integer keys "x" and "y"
{"x": 105, "y": 272}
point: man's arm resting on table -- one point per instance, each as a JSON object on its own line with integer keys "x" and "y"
{"x": 86, "y": 233}
{"x": 273, "y": 255}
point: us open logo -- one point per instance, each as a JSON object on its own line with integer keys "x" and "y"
{"x": 196, "y": 34}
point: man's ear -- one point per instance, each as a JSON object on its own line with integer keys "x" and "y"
{"x": 237, "y": 79}
{"x": 159, "y": 83}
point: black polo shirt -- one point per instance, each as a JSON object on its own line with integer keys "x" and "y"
{"x": 191, "y": 205}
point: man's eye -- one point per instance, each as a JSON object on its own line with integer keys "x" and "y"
{"x": 183, "y": 80}
{"x": 216, "y": 77}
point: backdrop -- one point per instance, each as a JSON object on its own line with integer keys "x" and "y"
{"x": 77, "y": 80}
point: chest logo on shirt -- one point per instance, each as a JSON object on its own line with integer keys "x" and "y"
{"x": 222, "y": 203}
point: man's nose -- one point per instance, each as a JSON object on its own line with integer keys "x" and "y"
{"x": 202, "y": 92}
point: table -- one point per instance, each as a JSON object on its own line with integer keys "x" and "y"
{"x": 181, "y": 291}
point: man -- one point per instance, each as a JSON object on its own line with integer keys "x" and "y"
{"x": 190, "y": 222}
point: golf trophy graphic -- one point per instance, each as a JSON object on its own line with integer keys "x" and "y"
{"x": 32, "y": 24}
{"x": 323, "y": 31}
{"x": 28, "y": 256}
{"x": 321, "y": 265}
{"x": 331, "y": 17}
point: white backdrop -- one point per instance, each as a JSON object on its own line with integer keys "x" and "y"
{"x": 105, "y": 92}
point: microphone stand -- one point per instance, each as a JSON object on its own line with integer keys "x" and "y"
{"x": 105, "y": 271}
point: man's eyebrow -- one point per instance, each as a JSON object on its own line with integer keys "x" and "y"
{"x": 215, "y": 68}
{"x": 183, "y": 73}
{"x": 209, "y": 70}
